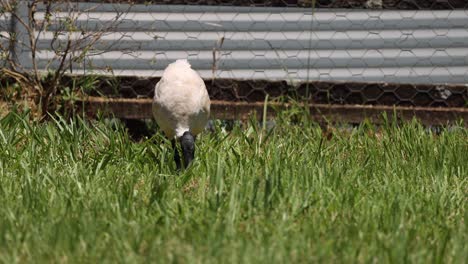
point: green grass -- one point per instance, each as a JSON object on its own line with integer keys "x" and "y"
{"x": 84, "y": 192}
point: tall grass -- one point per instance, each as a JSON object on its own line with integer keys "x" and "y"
{"x": 76, "y": 191}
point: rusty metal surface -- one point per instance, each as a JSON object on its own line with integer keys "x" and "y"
{"x": 141, "y": 109}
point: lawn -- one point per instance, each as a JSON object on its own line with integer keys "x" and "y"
{"x": 75, "y": 191}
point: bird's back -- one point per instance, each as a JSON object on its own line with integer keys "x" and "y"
{"x": 181, "y": 102}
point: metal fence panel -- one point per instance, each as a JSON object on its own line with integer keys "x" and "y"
{"x": 293, "y": 44}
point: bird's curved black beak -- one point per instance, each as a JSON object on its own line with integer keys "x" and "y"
{"x": 187, "y": 141}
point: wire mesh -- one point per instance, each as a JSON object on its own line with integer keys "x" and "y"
{"x": 425, "y": 95}
{"x": 406, "y": 52}
{"x": 384, "y": 4}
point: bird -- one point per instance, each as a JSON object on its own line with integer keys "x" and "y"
{"x": 181, "y": 108}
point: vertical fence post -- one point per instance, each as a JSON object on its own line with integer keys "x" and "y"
{"x": 21, "y": 47}
{"x": 13, "y": 36}
{"x": 11, "y": 41}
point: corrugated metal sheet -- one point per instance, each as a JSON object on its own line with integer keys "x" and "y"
{"x": 274, "y": 43}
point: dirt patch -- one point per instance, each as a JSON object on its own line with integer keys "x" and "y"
{"x": 4, "y": 109}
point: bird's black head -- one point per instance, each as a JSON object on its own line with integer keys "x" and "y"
{"x": 187, "y": 141}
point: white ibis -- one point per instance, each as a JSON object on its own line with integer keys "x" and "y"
{"x": 181, "y": 107}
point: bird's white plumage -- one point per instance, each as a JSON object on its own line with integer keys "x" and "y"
{"x": 181, "y": 102}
